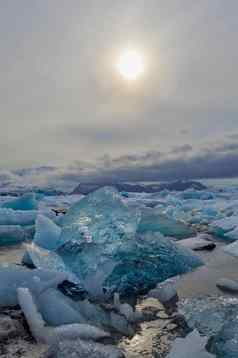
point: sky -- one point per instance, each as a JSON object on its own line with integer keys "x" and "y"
{"x": 65, "y": 109}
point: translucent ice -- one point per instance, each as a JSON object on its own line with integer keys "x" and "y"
{"x": 47, "y": 233}
{"x": 101, "y": 250}
{"x": 26, "y": 202}
{"x": 13, "y": 277}
{"x": 100, "y": 217}
{"x": 153, "y": 221}
{"x": 32, "y": 315}
{"x": 49, "y": 260}
{"x": 139, "y": 264}
{"x": 82, "y": 331}
{"x": 57, "y": 309}
{"x": 232, "y": 249}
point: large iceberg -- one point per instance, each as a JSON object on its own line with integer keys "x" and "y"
{"x": 106, "y": 246}
{"x": 26, "y": 202}
{"x": 100, "y": 246}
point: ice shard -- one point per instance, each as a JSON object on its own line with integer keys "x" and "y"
{"x": 49, "y": 260}
{"x": 47, "y": 233}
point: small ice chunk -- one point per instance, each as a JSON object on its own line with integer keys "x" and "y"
{"x": 82, "y": 331}
{"x": 232, "y": 235}
{"x": 58, "y": 309}
{"x": 33, "y": 317}
{"x": 223, "y": 226}
{"x": 47, "y": 233}
{"x": 26, "y": 202}
{"x": 191, "y": 346}
{"x": 165, "y": 292}
{"x": 198, "y": 242}
{"x": 121, "y": 324}
{"x": 226, "y": 284}
{"x": 232, "y": 249}
{"x": 124, "y": 308}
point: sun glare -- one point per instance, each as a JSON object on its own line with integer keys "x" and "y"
{"x": 130, "y": 65}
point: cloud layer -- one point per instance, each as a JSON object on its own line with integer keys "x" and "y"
{"x": 63, "y": 102}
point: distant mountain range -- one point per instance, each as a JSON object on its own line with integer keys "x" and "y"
{"x": 179, "y": 185}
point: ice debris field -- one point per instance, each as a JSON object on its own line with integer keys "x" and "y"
{"x": 82, "y": 272}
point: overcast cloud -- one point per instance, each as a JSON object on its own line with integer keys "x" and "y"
{"x": 64, "y": 107}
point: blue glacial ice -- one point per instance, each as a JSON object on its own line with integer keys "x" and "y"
{"x": 216, "y": 318}
{"x": 17, "y": 217}
{"x": 47, "y": 233}
{"x": 153, "y": 221}
{"x": 100, "y": 217}
{"x": 12, "y": 234}
{"x": 225, "y": 227}
{"x": 101, "y": 247}
{"x": 225, "y": 343}
{"x": 49, "y": 260}
{"x": 13, "y": 277}
{"x": 232, "y": 249}
{"x": 26, "y": 202}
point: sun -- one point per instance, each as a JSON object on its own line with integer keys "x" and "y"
{"x": 130, "y": 65}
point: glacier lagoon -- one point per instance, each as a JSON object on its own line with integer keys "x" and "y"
{"x": 126, "y": 246}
